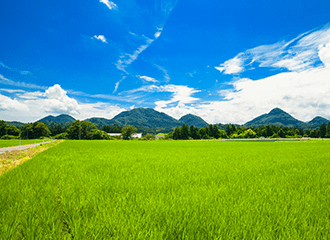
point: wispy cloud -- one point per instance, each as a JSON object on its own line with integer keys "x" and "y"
{"x": 180, "y": 94}
{"x": 12, "y": 90}
{"x": 298, "y": 54}
{"x": 14, "y": 69}
{"x": 166, "y": 75}
{"x": 117, "y": 84}
{"x": 126, "y": 59}
{"x": 7, "y": 81}
{"x": 148, "y": 79}
{"x": 110, "y": 5}
{"x": 101, "y": 38}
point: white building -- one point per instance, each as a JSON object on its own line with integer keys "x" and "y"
{"x": 135, "y": 135}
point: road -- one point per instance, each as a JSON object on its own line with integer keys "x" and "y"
{"x": 21, "y": 147}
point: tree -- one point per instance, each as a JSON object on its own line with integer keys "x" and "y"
{"x": 194, "y": 133}
{"x": 149, "y": 136}
{"x": 177, "y": 133}
{"x": 281, "y": 133}
{"x": 81, "y": 130}
{"x": 35, "y": 130}
{"x": 127, "y": 131}
{"x": 111, "y": 128}
{"x": 184, "y": 132}
{"x": 327, "y": 135}
{"x": 215, "y": 132}
{"x": 222, "y": 134}
{"x": 6, "y": 129}
{"x": 322, "y": 130}
{"x": 249, "y": 133}
{"x": 314, "y": 133}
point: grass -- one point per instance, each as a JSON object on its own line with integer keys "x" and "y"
{"x": 11, "y": 159}
{"x": 16, "y": 142}
{"x": 170, "y": 190}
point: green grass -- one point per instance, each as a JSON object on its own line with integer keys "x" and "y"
{"x": 170, "y": 190}
{"x": 10, "y": 143}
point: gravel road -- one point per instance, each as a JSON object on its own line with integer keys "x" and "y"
{"x": 21, "y": 147}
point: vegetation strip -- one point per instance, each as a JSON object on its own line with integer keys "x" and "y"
{"x": 11, "y": 159}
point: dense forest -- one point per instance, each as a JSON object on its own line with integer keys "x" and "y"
{"x": 236, "y": 131}
{"x": 87, "y": 130}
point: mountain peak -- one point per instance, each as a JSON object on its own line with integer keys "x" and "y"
{"x": 277, "y": 111}
{"x": 191, "y": 119}
{"x": 276, "y": 117}
{"x": 63, "y": 118}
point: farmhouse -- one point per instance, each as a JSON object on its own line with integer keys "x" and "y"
{"x": 135, "y": 135}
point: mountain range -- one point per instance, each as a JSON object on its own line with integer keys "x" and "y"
{"x": 280, "y": 118}
{"x": 147, "y": 118}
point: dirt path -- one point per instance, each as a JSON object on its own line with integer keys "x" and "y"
{"x": 22, "y": 147}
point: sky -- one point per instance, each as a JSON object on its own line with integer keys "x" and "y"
{"x": 225, "y": 61}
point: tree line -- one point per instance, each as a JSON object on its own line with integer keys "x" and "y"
{"x": 87, "y": 130}
{"x": 235, "y": 131}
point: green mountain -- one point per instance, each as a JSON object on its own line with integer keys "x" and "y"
{"x": 318, "y": 121}
{"x": 277, "y": 117}
{"x": 63, "y": 118}
{"x": 99, "y": 122}
{"x": 146, "y": 117}
{"x": 191, "y": 119}
{"x": 16, "y": 124}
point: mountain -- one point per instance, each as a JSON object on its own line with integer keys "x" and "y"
{"x": 99, "y": 122}
{"x": 191, "y": 119}
{"x": 16, "y": 124}
{"x": 63, "y": 118}
{"x": 146, "y": 117}
{"x": 318, "y": 121}
{"x": 277, "y": 117}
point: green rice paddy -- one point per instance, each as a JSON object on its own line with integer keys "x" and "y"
{"x": 170, "y": 190}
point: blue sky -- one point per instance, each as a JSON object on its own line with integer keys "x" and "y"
{"x": 226, "y": 61}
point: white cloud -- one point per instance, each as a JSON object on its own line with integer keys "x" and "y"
{"x": 232, "y": 66}
{"x": 157, "y": 34}
{"x": 298, "y": 54}
{"x": 304, "y": 92}
{"x": 58, "y": 102}
{"x": 148, "y": 79}
{"x": 31, "y": 106}
{"x": 324, "y": 54}
{"x": 12, "y": 90}
{"x": 8, "y": 105}
{"x": 101, "y": 38}
{"x": 10, "y": 82}
{"x": 30, "y": 95}
{"x": 181, "y": 95}
{"x": 110, "y": 5}
{"x": 99, "y": 109}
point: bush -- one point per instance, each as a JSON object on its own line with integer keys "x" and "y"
{"x": 9, "y": 137}
{"x": 61, "y": 136}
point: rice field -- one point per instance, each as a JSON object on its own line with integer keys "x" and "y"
{"x": 169, "y": 190}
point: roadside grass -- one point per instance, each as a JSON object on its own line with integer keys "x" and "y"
{"x": 11, "y": 159}
{"x": 16, "y": 142}
{"x": 169, "y": 190}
